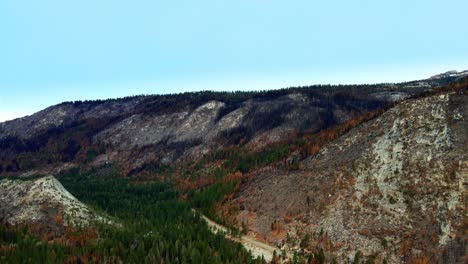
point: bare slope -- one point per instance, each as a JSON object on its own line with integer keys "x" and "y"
{"x": 393, "y": 188}
{"x": 42, "y": 201}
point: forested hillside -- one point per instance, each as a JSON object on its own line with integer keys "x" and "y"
{"x": 151, "y": 226}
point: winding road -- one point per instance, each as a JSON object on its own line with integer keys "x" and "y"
{"x": 256, "y": 247}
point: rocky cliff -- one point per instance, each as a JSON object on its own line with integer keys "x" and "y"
{"x": 393, "y": 188}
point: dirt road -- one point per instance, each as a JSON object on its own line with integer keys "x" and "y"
{"x": 257, "y": 248}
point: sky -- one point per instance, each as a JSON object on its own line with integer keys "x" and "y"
{"x": 53, "y": 50}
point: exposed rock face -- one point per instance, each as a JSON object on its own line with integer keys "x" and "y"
{"x": 166, "y": 129}
{"x": 391, "y": 96}
{"x": 394, "y": 187}
{"x": 62, "y": 115}
{"x": 44, "y": 201}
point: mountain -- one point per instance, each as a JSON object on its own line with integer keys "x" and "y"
{"x": 141, "y": 131}
{"x": 326, "y": 174}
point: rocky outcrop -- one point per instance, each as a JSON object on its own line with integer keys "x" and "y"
{"x": 393, "y": 188}
{"x": 42, "y": 201}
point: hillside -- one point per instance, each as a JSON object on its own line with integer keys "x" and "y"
{"x": 44, "y": 204}
{"x": 392, "y": 188}
{"x": 150, "y": 131}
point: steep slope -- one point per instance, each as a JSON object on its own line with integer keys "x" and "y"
{"x": 43, "y": 202}
{"x": 393, "y": 188}
{"x": 141, "y": 131}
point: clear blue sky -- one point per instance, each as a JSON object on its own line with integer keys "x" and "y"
{"x": 54, "y": 51}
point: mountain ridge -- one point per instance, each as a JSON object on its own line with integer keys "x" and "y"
{"x": 118, "y": 129}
